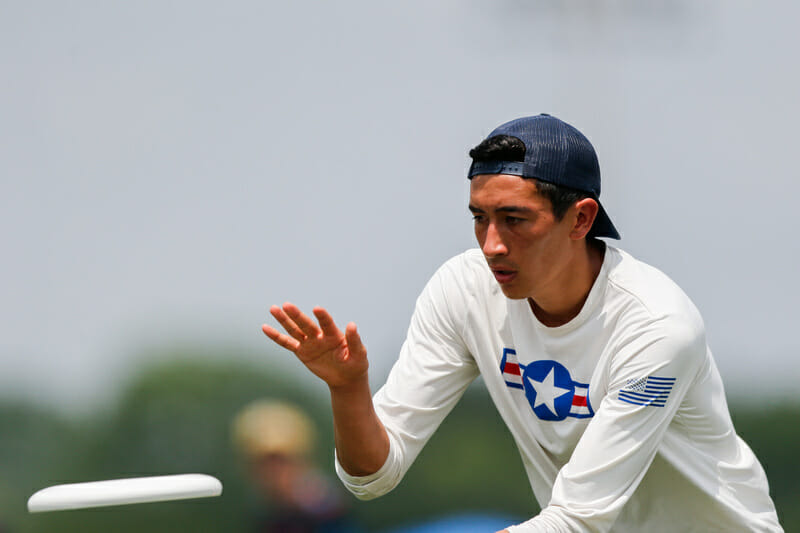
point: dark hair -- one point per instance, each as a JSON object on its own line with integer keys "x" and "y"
{"x": 509, "y": 148}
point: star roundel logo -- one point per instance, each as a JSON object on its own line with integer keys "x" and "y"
{"x": 549, "y": 389}
{"x": 548, "y": 386}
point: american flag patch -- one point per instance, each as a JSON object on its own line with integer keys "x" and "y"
{"x": 648, "y": 391}
{"x": 512, "y": 372}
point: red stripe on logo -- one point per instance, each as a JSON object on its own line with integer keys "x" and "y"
{"x": 511, "y": 368}
{"x": 579, "y": 400}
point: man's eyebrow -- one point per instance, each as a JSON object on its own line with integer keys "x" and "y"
{"x": 514, "y": 209}
{"x": 504, "y": 209}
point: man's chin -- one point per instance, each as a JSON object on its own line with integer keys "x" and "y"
{"x": 513, "y": 294}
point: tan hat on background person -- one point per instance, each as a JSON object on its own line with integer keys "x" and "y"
{"x": 267, "y": 427}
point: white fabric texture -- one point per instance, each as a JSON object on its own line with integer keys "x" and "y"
{"x": 650, "y": 448}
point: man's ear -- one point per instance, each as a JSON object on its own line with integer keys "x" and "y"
{"x": 585, "y": 212}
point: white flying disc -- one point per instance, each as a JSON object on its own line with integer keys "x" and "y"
{"x": 124, "y": 491}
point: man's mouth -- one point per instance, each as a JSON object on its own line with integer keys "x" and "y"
{"x": 504, "y": 276}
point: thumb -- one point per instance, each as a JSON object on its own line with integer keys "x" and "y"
{"x": 354, "y": 344}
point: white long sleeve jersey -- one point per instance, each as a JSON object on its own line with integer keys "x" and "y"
{"x": 619, "y": 415}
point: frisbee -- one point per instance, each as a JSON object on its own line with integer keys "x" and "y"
{"x": 124, "y": 491}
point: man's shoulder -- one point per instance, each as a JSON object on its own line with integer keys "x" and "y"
{"x": 460, "y": 285}
{"x": 470, "y": 263}
{"x": 650, "y": 309}
{"x": 466, "y": 273}
{"x": 649, "y": 288}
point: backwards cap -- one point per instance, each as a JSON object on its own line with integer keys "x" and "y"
{"x": 557, "y": 153}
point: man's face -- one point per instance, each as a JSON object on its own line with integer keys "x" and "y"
{"x": 524, "y": 244}
{"x": 277, "y": 474}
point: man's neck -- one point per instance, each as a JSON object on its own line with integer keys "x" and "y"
{"x": 572, "y": 288}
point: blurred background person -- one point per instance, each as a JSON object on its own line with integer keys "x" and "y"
{"x": 277, "y": 441}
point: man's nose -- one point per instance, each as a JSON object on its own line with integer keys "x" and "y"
{"x": 493, "y": 244}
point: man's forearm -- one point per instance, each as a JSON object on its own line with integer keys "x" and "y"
{"x": 362, "y": 444}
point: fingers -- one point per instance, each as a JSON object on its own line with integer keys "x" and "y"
{"x": 301, "y": 320}
{"x": 326, "y": 322}
{"x": 287, "y": 323}
{"x": 279, "y": 338}
{"x": 301, "y": 328}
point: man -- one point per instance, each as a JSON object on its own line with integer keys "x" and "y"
{"x": 277, "y": 440}
{"x": 597, "y": 363}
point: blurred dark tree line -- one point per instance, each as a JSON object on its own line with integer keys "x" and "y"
{"x": 175, "y": 417}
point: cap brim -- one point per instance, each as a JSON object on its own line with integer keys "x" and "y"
{"x": 603, "y": 227}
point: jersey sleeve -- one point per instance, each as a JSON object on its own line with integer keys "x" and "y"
{"x": 648, "y": 379}
{"x": 430, "y": 376}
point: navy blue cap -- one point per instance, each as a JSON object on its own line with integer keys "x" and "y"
{"x": 557, "y": 153}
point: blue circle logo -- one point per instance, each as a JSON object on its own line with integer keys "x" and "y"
{"x": 549, "y": 389}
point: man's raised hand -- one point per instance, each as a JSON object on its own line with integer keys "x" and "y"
{"x": 339, "y": 359}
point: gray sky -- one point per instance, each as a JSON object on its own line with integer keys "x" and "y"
{"x": 170, "y": 169}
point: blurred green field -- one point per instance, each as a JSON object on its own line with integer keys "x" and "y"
{"x": 175, "y": 418}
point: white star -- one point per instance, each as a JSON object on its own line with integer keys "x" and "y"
{"x": 547, "y": 392}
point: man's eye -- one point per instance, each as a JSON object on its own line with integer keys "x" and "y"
{"x": 478, "y": 218}
{"x": 514, "y": 220}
